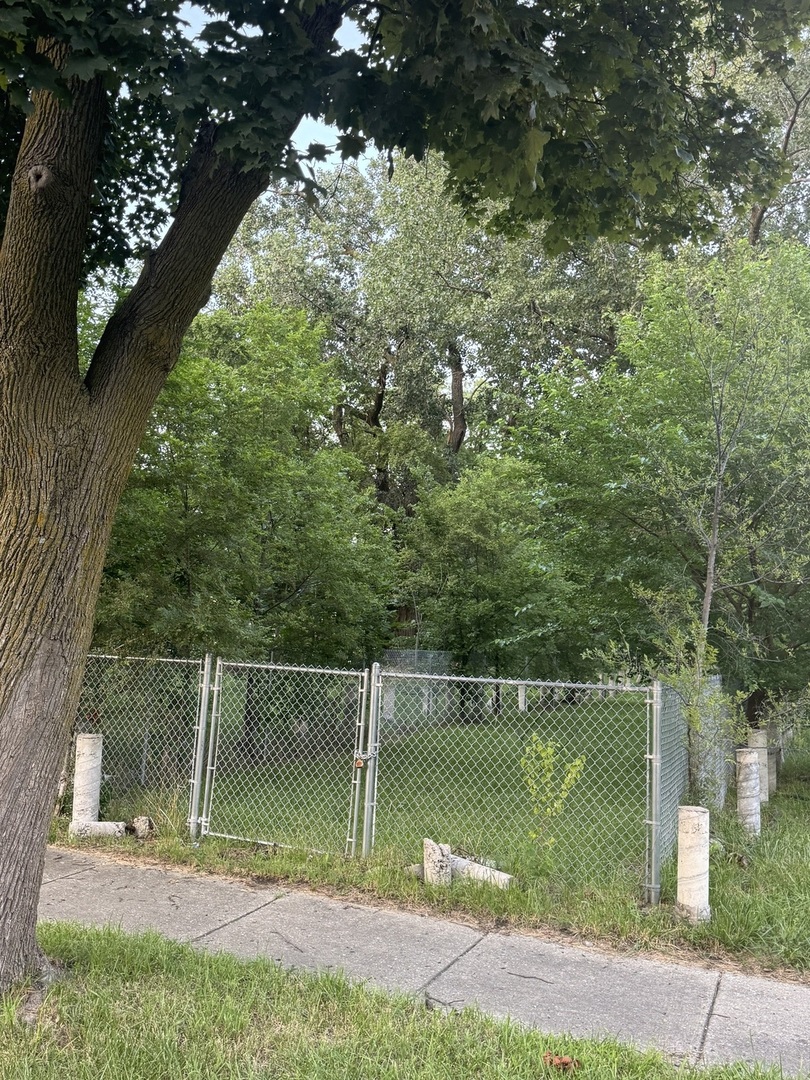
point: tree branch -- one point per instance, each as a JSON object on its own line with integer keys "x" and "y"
{"x": 142, "y": 340}
{"x": 141, "y": 343}
{"x": 47, "y": 219}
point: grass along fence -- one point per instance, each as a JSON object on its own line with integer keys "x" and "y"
{"x": 760, "y": 886}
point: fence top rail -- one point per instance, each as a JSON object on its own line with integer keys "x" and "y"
{"x": 144, "y": 659}
{"x": 541, "y": 684}
{"x": 357, "y": 673}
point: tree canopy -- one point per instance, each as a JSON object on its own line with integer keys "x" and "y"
{"x": 683, "y": 466}
{"x": 599, "y": 118}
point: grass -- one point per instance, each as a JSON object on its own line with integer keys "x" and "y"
{"x": 760, "y": 888}
{"x": 142, "y": 1008}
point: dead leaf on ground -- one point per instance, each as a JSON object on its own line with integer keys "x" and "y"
{"x": 561, "y": 1061}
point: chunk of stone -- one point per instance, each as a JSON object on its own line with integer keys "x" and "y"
{"x": 436, "y": 863}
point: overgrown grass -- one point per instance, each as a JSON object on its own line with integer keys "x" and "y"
{"x": 760, "y": 888}
{"x": 142, "y": 1008}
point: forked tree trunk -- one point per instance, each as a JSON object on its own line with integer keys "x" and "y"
{"x": 67, "y": 442}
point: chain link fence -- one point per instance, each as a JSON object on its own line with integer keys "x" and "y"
{"x": 147, "y": 710}
{"x": 571, "y": 779}
{"x": 281, "y": 762}
{"x": 709, "y": 740}
{"x": 526, "y": 776}
{"x": 417, "y": 661}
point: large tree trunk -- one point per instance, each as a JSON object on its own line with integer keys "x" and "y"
{"x": 67, "y": 442}
{"x": 66, "y": 446}
{"x": 54, "y": 522}
{"x": 59, "y": 497}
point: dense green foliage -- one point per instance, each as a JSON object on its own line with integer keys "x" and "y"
{"x": 607, "y": 405}
{"x": 683, "y": 465}
{"x": 240, "y": 531}
{"x": 591, "y": 117}
{"x": 285, "y": 506}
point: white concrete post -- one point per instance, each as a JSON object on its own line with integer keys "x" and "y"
{"x": 758, "y": 740}
{"x": 693, "y": 862}
{"x": 438, "y": 870}
{"x": 87, "y": 778}
{"x": 748, "y": 790}
{"x": 521, "y": 697}
{"x": 116, "y": 829}
{"x": 466, "y": 868}
{"x": 87, "y": 791}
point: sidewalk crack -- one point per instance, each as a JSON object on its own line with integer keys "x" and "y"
{"x": 705, "y": 1034}
{"x": 535, "y": 978}
{"x": 237, "y": 919}
{"x": 72, "y": 873}
{"x": 455, "y": 960}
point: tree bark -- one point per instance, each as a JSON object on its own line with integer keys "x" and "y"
{"x": 67, "y": 443}
{"x": 66, "y": 451}
{"x": 58, "y": 497}
{"x": 458, "y": 419}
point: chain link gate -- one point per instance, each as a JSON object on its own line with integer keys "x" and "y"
{"x": 298, "y": 756}
{"x": 284, "y": 758}
{"x": 481, "y": 764}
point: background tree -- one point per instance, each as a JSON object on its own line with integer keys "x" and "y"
{"x": 111, "y": 118}
{"x": 685, "y": 466}
{"x": 434, "y": 324}
{"x": 436, "y": 329}
{"x": 784, "y": 91}
{"x": 241, "y": 529}
{"x": 483, "y": 577}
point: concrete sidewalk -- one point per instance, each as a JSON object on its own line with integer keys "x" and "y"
{"x": 688, "y": 1012}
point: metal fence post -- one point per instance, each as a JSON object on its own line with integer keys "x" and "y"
{"x": 212, "y": 749}
{"x": 654, "y": 793}
{"x": 199, "y": 750}
{"x": 370, "y": 803}
{"x": 360, "y": 759}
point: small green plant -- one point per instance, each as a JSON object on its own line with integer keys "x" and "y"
{"x": 549, "y": 783}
